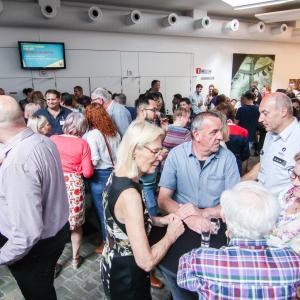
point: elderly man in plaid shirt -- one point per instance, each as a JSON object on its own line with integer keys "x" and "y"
{"x": 247, "y": 268}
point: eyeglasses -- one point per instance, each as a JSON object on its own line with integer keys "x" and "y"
{"x": 152, "y": 109}
{"x": 156, "y": 152}
{"x": 293, "y": 175}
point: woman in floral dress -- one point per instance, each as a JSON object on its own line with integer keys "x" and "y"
{"x": 76, "y": 161}
{"x": 128, "y": 258}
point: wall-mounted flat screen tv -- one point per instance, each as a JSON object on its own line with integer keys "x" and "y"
{"x": 42, "y": 56}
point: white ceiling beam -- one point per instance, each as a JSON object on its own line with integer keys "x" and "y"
{"x": 280, "y": 16}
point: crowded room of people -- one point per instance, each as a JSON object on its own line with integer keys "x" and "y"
{"x": 149, "y": 150}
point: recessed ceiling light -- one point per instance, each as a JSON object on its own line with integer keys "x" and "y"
{"x": 245, "y": 4}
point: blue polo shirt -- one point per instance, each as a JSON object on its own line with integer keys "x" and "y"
{"x": 202, "y": 187}
{"x": 56, "y": 123}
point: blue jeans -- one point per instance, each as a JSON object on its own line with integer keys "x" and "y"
{"x": 97, "y": 185}
{"x": 178, "y": 293}
{"x": 149, "y": 186}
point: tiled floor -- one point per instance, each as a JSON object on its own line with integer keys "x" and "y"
{"x": 82, "y": 284}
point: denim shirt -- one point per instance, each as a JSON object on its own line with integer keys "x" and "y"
{"x": 202, "y": 187}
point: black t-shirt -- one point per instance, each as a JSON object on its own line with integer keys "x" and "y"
{"x": 247, "y": 116}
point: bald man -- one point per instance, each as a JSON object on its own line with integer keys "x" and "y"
{"x": 281, "y": 144}
{"x": 33, "y": 201}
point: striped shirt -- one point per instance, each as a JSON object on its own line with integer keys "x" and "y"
{"x": 175, "y": 136}
{"x": 246, "y": 269}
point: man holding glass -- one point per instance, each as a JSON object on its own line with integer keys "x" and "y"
{"x": 194, "y": 176}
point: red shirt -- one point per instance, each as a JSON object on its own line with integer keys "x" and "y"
{"x": 75, "y": 155}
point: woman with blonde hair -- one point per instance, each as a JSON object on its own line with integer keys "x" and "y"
{"x": 39, "y": 124}
{"x": 30, "y": 109}
{"x": 104, "y": 140}
{"x": 75, "y": 157}
{"x": 127, "y": 257}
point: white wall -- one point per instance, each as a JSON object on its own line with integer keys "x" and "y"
{"x": 95, "y": 59}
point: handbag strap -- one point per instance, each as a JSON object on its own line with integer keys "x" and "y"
{"x": 109, "y": 150}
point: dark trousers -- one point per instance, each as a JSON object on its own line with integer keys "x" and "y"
{"x": 34, "y": 273}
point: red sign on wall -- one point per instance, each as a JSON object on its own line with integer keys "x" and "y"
{"x": 198, "y": 70}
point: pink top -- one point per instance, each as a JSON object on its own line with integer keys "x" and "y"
{"x": 75, "y": 155}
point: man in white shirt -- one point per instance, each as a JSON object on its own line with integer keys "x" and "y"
{"x": 280, "y": 146}
{"x": 197, "y": 99}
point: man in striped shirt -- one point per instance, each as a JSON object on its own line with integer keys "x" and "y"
{"x": 247, "y": 268}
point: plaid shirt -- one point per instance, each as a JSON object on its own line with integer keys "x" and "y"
{"x": 247, "y": 269}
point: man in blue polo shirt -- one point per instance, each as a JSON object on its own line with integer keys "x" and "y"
{"x": 194, "y": 176}
{"x": 55, "y": 113}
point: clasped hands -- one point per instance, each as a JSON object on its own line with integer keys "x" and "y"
{"x": 196, "y": 219}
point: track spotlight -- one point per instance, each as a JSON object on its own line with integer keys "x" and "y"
{"x": 170, "y": 20}
{"x": 257, "y": 28}
{"x": 95, "y": 14}
{"x": 232, "y": 25}
{"x": 134, "y": 17}
{"x": 204, "y": 22}
{"x": 279, "y": 29}
{"x": 49, "y": 8}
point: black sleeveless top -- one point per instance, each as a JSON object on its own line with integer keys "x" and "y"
{"x": 117, "y": 239}
{"x": 118, "y": 267}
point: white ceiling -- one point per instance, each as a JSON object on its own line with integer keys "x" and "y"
{"x": 213, "y": 7}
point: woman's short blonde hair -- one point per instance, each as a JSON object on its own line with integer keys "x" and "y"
{"x": 30, "y": 109}
{"x": 138, "y": 134}
{"x": 37, "y": 123}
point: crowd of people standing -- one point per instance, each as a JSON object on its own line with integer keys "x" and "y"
{"x": 159, "y": 183}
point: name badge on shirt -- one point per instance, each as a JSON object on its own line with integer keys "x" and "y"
{"x": 61, "y": 122}
{"x": 279, "y": 161}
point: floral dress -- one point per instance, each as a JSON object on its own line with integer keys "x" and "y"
{"x": 121, "y": 277}
{"x": 76, "y": 195}
{"x": 287, "y": 229}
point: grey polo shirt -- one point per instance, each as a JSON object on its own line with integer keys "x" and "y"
{"x": 182, "y": 173}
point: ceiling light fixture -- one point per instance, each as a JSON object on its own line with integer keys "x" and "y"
{"x": 246, "y": 4}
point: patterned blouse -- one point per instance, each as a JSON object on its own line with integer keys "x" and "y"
{"x": 287, "y": 229}
{"x": 117, "y": 243}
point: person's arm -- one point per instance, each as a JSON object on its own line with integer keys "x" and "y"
{"x": 86, "y": 162}
{"x": 252, "y": 174}
{"x": 165, "y": 201}
{"x": 93, "y": 140}
{"x": 189, "y": 269}
{"x": 188, "y": 213}
{"x": 25, "y": 212}
{"x": 131, "y": 214}
{"x": 212, "y": 212}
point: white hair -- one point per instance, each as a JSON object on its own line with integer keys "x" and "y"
{"x": 101, "y": 93}
{"x": 250, "y": 210}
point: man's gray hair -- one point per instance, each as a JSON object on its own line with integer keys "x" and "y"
{"x": 75, "y": 124}
{"x": 121, "y": 98}
{"x": 250, "y": 210}
{"x": 198, "y": 120}
{"x": 101, "y": 93}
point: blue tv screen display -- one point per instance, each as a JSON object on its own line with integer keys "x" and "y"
{"x": 42, "y": 56}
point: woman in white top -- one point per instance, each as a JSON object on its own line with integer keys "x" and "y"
{"x": 104, "y": 140}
